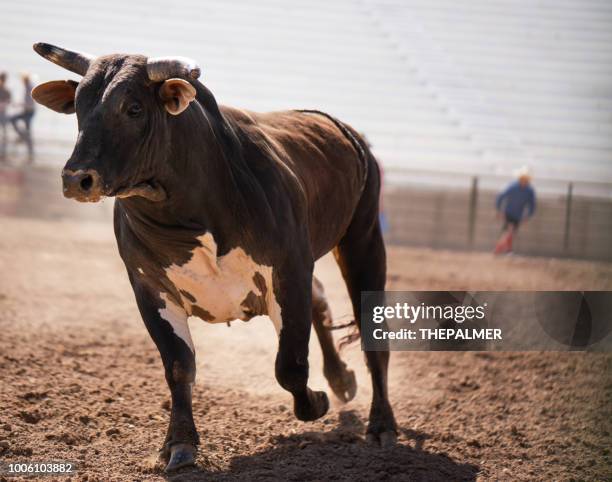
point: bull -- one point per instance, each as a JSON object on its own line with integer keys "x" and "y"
{"x": 220, "y": 213}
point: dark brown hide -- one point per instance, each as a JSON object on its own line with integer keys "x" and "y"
{"x": 315, "y": 157}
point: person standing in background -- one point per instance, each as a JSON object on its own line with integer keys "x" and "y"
{"x": 515, "y": 204}
{"x": 25, "y": 116}
{"x": 5, "y": 100}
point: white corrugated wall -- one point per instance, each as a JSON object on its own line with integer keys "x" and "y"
{"x": 477, "y": 87}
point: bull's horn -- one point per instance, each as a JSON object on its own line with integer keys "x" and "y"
{"x": 76, "y": 62}
{"x": 164, "y": 68}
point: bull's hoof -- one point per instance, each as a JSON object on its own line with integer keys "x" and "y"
{"x": 344, "y": 384}
{"x": 386, "y": 440}
{"x": 181, "y": 455}
{"x": 315, "y": 406}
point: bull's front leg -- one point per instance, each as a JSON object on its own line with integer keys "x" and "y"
{"x": 166, "y": 322}
{"x": 293, "y": 290}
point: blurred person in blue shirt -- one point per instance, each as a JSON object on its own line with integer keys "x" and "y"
{"x": 515, "y": 205}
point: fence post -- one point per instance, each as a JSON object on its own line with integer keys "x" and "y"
{"x": 472, "y": 212}
{"x": 568, "y": 217}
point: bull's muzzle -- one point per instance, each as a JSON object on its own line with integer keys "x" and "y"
{"x": 84, "y": 185}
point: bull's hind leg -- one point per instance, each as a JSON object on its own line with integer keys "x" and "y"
{"x": 341, "y": 380}
{"x": 362, "y": 260}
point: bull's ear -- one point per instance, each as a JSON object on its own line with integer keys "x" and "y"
{"x": 176, "y": 94}
{"x": 57, "y": 95}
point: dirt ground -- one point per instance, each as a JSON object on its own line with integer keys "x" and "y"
{"x": 81, "y": 381}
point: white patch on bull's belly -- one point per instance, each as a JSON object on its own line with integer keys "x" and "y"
{"x": 219, "y": 285}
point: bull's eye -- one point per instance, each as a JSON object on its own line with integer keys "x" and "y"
{"x": 134, "y": 110}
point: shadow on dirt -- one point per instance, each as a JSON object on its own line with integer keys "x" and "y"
{"x": 340, "y": 454}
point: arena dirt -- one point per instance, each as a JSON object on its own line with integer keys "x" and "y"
{"x": 80, "y": 380}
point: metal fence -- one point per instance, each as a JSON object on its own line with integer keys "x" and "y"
{"x": 457, "y": 211}
{"x": 423, "y": 208}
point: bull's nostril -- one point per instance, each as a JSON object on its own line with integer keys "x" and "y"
{"x": 87, "y": 182}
